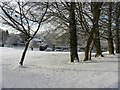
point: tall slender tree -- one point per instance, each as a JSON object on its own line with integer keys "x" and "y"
{"x": 110, "y": 36}
{"x": 94, "y": 33}
{"x": 73, "y": 35}
{"x": 96, "y": 9}
{"x": 117, "y": 28}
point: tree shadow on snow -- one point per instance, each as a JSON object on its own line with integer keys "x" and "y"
{"x": 22, "y": 66}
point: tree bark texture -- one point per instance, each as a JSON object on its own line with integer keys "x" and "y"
{"x": 95, "y": 8}
{"x": 87, "y": 48}
{"x": 110, "y": 37}
{"x": 24, "y": 52}
{"x": 117, "y": 21}
{"x": 73, "y": 35}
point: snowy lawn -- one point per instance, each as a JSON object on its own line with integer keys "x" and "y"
{"x": 53, "y": 70}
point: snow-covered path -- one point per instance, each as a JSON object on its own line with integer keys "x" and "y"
{"x": 53, "y": 70}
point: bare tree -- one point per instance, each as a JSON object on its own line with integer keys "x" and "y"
{"x": 64, "y": 14}
{"x": 94, "y": 33}
{"x": 22, "y": 16}
{"x": 73, "y": 35}
{"x": 110, "y": 36}
{"x": 109, "y": 25}
{"x": 117, "y": 28}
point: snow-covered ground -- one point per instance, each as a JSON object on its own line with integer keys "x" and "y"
{"x": 53, "y": 70}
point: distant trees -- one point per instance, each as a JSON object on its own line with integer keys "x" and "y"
{"x": 59, "y": 22}
{"x": 3, "y": 37}
{"x": 23, "y": 38}
{"x": 13, "y": 40}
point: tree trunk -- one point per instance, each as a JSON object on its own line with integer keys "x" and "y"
{"x": 110, "y": 37}
{"x": 2, "y": 39}
{"x": 73, "y": 36}
{"x": 97, "y": 43}
{"x": 24, "y": 52}
{"x": 53, "y": 47}
{"x": 117, "y": 21}
{"x": 92, "y": 45}
{"x": 96, "y": 14}
{"x": 89, "y": 41}
{"x": 95, "y": 8}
